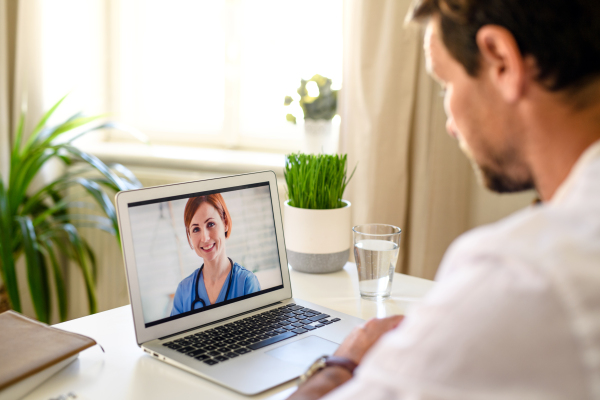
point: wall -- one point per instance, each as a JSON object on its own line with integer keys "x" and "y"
{"x": 487, "y": 207}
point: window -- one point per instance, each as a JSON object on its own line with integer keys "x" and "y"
{"x": 203, "y": 72}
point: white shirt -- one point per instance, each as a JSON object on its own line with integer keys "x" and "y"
{"x": 515, "y": 313}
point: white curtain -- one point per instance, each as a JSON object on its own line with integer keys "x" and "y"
{"x": 20, "y": 70}
{"x": 7, "y": 38}
{"x": 410, "y": 173}
{"x": 20, "y": 75}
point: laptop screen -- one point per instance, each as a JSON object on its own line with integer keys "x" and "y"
{"x": 202, "y": 250}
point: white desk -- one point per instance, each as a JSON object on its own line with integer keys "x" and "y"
{"x": 126, "y": 372}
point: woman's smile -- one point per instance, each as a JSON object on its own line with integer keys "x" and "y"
{"x": 208, "y": 247}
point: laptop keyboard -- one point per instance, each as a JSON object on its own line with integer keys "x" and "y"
{"x": 241, "y": 337}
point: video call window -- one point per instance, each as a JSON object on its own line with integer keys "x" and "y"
{"x": 203, "y": 250}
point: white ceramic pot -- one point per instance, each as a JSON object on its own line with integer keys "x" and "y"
{"x": 317, "y": 241}
{"x": 318, "y": 137}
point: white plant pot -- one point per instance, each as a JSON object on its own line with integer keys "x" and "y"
{"x": 318, "y": 137}
{"x": 317, "y": 241}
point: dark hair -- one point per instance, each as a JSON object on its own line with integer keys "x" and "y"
{"x": 562, "y": 35}
{"x": 216, "y": 200}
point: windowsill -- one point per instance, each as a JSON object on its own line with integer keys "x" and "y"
{"x": 185, "y": 158}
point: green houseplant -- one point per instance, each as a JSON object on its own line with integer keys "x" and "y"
{"x": 39, "y": 223}
{"x": 317, "y": 218}
{"x": 319, "y": 106}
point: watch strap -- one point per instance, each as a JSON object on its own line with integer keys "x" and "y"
{"x": 343, "y": 362}
{"x": 328, "y": 361}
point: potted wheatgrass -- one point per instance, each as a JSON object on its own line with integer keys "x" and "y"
{"x": 317, "y": 219}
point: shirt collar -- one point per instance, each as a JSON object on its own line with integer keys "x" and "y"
{"x": 586, "y": 158}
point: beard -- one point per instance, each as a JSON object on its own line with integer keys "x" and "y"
{"x": 502, "y": 183}
{"x": 496, "y": 178}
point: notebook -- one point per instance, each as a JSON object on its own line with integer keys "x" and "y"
{"x": 32, "y": 352}
{"x": 209, "y": 283}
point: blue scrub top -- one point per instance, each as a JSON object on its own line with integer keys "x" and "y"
{"x": 244, "y": 282}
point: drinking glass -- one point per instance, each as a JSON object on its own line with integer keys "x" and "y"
{"x": 376, "y": 252}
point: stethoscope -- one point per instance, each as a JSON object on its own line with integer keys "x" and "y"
{"x": 198, "y": 299}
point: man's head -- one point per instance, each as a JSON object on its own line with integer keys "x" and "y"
{"x": 495, "y": 58}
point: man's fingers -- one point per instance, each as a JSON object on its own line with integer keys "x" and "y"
{"x": 384, "y": 324}
{"x": 394, "y": 320}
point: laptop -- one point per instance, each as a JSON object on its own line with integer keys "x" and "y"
{"x": 210, "y": 287}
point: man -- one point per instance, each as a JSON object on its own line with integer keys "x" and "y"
{"x": 516, "y": 310}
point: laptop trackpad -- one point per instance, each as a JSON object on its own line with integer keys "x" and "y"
{"x": 304, "y": 352}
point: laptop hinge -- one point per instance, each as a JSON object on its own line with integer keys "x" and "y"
{"x": 219, "y": 320}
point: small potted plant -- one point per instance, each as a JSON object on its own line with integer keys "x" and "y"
{"x": 317, "y": 219}
{"x": 319, "y": 105}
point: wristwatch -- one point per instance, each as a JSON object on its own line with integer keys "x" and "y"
{"x": 328, "y": 361}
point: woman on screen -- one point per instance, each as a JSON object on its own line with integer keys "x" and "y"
{"x": 208, "y": 226}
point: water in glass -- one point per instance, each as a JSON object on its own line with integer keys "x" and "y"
{"x": 375, "y": 260}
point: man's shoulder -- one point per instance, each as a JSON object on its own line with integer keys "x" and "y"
{"x": 543, "y": 237}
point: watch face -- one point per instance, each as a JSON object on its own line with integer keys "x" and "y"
{"x": 318, "y": 365}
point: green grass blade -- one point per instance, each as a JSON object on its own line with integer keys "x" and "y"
{"x": 316, "y": 181}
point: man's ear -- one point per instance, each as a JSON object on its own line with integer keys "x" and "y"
{"x": 502, "y": 61}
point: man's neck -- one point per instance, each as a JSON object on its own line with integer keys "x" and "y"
{"x": 559, "y": 137}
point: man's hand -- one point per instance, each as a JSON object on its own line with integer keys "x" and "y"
{"x": 354, "y": 347}
{"x": 362, "y": 338}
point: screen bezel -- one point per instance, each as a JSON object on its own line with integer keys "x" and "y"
{"x": 123, "y": 199}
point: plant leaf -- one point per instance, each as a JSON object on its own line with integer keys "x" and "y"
{"x": 103, "y": 201}
{"x": 94, "y": 225}
{"x": 36, "y": 270}
{"x": 100, "y": 166}
{"x": 7, "y": 261}
{"x": 15, "y": 156}
{"x": 59, "y": 184}
{"x": 34, "y": 135}
{"x": 67, "y": 126}
{"x": 45, "y": 134}
{"x": 88, "y": 221}
{"x": 92, "y": 258}
{"x": 59, "y": 281}
{"x": 28, "y": 169}
{"x": 134, "y": 182}
{"x": 79, "y": 253}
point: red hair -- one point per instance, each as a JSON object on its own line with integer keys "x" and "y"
{"x": 216, "y": 200}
